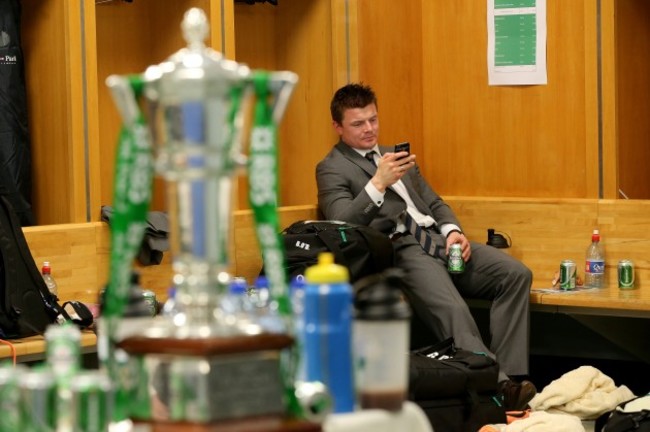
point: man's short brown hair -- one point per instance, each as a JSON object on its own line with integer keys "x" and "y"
{"x": 351, "y": 96}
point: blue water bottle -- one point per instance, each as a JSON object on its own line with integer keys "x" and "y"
{"x": 328, "y": 330}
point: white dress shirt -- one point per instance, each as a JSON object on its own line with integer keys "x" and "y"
{"x": 378, "y": 198}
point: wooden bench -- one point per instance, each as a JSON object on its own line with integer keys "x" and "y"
{"x": 543, "y": 232}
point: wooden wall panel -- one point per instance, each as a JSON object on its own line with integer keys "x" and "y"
{"x": 80, "y": 255}
{"x": 389, "y": 49}
{"x": 296, "y": 35}
{"x": 633, "y": 96}
{"x": 131, "y": 37}
{"x": 486, "y": 140}
{"x": 47, "y": 74}
{"x": 427, "y": 62}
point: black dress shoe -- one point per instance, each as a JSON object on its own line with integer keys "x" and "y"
{"x": 516, "y": 395}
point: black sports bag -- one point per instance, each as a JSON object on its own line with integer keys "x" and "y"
{"x": 630, "y": 416}
{"x": 363, "y": 250}
{"x": 26, "y": 305}
{"x": 456, "y": 388}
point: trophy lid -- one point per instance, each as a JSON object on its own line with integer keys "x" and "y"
{"x": 196, "y": 71}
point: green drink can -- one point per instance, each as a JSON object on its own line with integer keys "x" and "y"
{"x": 150, "y": 299}
{"x": 625, "y": 274}
{"x": 92, "y": 401}
{"x": 456, "y": 263}
{"x": 63, "y": 350}
{"x": 10, "y": 397}
{"x": 38, "y": 400}
{"x": 567, "y": 275}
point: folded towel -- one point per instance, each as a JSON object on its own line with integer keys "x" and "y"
{"x": 584, "y": 392}
{"x": 539, "y": 421}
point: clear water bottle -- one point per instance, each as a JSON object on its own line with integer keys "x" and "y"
{"x": 595, "y": 263}
{"x": 235, "y": 303}
{"x": 265, "y": 310}
{"x": 261, "y": 295}
{"x": 328, "y": 330}
{"x": 170, "y": 307}
{"x": 46, "y": 271}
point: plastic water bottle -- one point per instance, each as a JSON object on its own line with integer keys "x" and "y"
{"x": 46, "y": 271}
{"x": 235, "y": 304}
{"x": 265, "y": 311}
{"x": 595, "y": 263}
{"x": 328, "y": 330}
{"x": 170, "y": 307}
{"x": 261, "y": 296}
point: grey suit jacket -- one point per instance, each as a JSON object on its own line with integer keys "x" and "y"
{"x": 341, "y": 177}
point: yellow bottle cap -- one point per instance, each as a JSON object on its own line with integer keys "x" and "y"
{"x": 326, "y": 271}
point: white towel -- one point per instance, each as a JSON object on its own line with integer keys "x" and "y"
{"x": 584, "y": 392}
{"x": 539, "y": 421}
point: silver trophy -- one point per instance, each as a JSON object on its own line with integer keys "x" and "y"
{"x": 204, "y": 364}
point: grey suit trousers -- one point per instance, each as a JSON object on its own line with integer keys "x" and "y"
{"x": 437, "y": 297}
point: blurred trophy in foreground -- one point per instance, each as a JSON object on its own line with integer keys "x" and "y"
{"x": 207, "y": 363}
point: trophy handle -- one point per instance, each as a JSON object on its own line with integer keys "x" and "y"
{"x": 282, "y": 85}
{"x": 124, "y": 98}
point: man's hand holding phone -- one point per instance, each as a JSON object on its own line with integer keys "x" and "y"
{"x": 393, "y": 166}
{"x": 404, "y": 160}
{"x": 403, "y": 147}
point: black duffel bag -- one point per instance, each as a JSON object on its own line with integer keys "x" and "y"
{"x": 630, "y": 416}
{"x": 363, "y": 250}
{"x": 456, "y": 388}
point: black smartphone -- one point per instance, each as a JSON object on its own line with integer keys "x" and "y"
{"x": 401, "y": 147}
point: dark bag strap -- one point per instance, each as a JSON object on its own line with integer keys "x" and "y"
{"x": 82, "y": 316}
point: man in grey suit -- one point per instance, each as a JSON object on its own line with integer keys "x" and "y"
{"x": 363, "y": 183}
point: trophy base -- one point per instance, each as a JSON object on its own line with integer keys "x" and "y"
{"x": 257, "y": 424}
{"x": 216, "y": 379}
{"x": 205, "y": 347}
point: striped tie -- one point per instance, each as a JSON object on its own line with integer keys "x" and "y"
{"x": 424, "y": 238}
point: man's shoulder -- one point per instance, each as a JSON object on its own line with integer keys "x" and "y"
{"x": 333, "y": 153}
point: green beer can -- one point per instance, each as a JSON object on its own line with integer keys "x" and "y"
{"x": 567, "y": 275}
{"x": 625, "y": 274}
{"x": 9, "y": 397}
{"x": 456, "y": 263}
{"x": 92, "y": 401}
{"x": 63, "y": 350}
{"x": 38, "y": 400}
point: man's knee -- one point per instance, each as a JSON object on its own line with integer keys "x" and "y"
{"x": 519, "y": 275}
{"x": 525, "y": 274}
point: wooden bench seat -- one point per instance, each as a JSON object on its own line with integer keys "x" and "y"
{"x": 543, "y": 233}
{"x": 33, "y": 348}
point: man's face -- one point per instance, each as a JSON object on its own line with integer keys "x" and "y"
{"x": 360, "y": 127}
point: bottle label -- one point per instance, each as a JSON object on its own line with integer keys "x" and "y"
{"x": 595, "y": 266}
